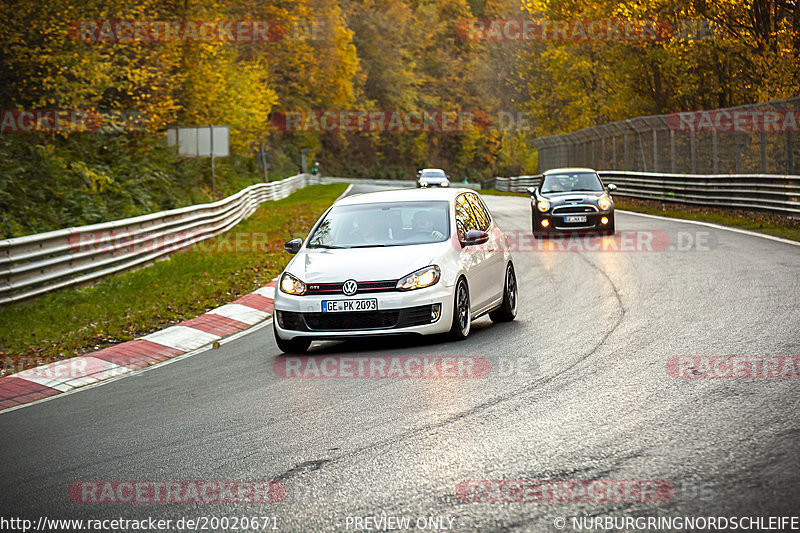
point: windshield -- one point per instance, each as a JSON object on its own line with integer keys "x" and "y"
{"x": 383, "y": 224}
{"x": 572, "y": 182}
{"x": 433, "y": 174}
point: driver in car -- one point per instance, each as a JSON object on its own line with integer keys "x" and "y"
{"x": 422, "y": 224}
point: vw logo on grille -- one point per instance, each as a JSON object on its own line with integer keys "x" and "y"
{"x": 350, "y": 287}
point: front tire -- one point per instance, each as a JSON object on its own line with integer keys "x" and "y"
{"x": 462, "y": 315}
{"x": 508, "y": 309}
{"x": 296, "y": 345}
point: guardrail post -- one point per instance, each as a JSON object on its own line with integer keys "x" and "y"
{"x": 625, "y": 164}
{"x": 714, "y": 157}
{"x": 655, "y": 150}
{"x": 643, "y": 166}
{"x": 738, "y": 137}
{"x": 613, "y": 152}
{"x": 672, "y": 150}
{"x": 602, "y": 151}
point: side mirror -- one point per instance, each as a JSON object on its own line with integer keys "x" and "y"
{"x": 475, "y": 237}
{"x": 611, "y": 187}
{"x": 532, "y": 190}
{"x": 293, "y": 246}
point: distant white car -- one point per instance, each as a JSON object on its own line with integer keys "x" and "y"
{"x": 432, "y": 177}
{"x": 395, "y": 262}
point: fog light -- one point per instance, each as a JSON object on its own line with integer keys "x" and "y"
{"x": 604, "y": 220}
{"x": 545, "y": 223}
{"x": 280, "y": 318}
{"x": 436, "y": 311}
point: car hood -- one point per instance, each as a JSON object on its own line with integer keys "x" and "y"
{"x": 582, "y": 197}
{"x": 363, "y": 264}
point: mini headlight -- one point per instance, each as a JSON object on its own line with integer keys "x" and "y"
{"x": 445, "y": 183}
{"x": 604, "y": 203}
{"x": 423, "y": 183}
{"x": 543, "y": 205}
{"x": 424, "y": 277}
{"x": 292, "y": 285}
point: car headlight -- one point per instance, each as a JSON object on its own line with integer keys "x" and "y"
{"x": 292, "y": 285}
{"x": 543, "y": 205}
{"x": 445, "y": 183}
{"x": 604, "y": 203}
{"x": 423, "y": 183}
{"x": 424, "y": 277}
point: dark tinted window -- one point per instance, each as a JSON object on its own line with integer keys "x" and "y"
{"x": 571, "y": 181}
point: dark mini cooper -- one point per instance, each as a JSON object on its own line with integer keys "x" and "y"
{"x": 572, "y": 199}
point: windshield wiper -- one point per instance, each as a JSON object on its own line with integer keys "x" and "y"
{"x": 327, "y": 246}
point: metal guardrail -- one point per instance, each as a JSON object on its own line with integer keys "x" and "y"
{"x": 403, "y": 183}
{"x": 517, "y": 183}
{"x": 36, "y": 264}
{"x": 755, "y": 192}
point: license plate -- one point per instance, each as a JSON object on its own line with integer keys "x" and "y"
{"x": 342, "y": 306}
{"x": 575, "y": 219}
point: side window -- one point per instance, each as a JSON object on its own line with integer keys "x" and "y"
{"x": 481, "y": 214}
{"x": 465, "y": 216}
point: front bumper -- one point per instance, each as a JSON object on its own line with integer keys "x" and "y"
{"x": 398, "y": 313}
{"x": 557, "y": 224}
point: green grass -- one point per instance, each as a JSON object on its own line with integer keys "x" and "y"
{"x": 126, "y": 306}
{"x": 777, "y": 226}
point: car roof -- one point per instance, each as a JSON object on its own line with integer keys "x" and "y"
{"x": 433, "y": 170}
{"x": 402, "y": 195}
{"x": 568, "y": 170}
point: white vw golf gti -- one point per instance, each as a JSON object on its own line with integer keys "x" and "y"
{"x": 396, "y": 262}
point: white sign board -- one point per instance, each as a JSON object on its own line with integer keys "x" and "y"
{"x": 197, "y": 142}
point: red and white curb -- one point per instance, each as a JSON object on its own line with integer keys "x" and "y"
{"x": 63, "y": 376}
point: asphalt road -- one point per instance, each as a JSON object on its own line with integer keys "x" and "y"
{"x": 578, "y": 391}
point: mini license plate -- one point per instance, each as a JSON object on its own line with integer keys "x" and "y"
{"x": 340, "y": 306}
{"x": 573, "y": 219}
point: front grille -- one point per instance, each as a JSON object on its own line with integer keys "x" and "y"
{"x": 359, "y": 320}
{"x": 355, "y": 320}
{"x": 572, "y": 210}
{"x": 363, "y": 287}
